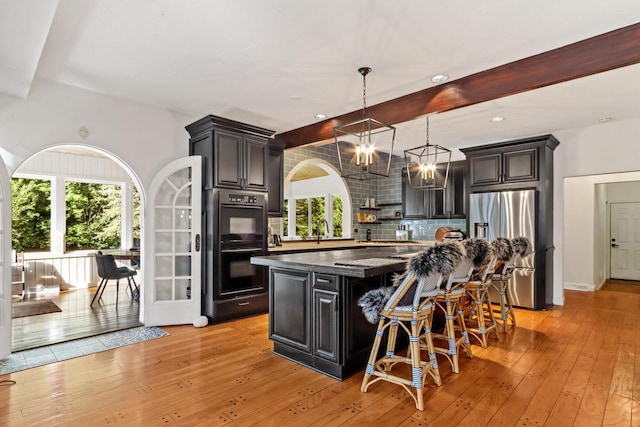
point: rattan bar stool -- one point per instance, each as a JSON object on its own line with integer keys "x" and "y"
{"x": 450, "y": 301}
{"x": 508, "y": 252}
{"x": 481, "y": 320}
{"x": 407, "y": 309}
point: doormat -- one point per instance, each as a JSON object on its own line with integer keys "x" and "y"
{"x": 81, "y": 347}
{"x": 32, "y": 308}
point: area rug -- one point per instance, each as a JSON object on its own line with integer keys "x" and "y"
{"x": 32, "y": 308}
{"x": 76, "y": 348}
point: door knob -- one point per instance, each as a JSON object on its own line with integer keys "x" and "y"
{"x": 613, "y": 245}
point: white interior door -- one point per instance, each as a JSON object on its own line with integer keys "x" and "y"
{"x": 5, "y": 263}
{"x": 625, "y": 241}
{"x": 171, "y": 292}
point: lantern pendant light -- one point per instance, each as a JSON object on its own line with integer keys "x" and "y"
{"x": 427, "y": 166}
{"x": 365, "y": 146}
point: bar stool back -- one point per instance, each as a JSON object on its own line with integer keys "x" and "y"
{"x": 407, "y": 309}
{"x": 481, "y": 320}
{"x": 508, "y": 253}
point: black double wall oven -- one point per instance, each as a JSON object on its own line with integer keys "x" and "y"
{"x": 236, "y": 287}
{"x": 235, "y": 187}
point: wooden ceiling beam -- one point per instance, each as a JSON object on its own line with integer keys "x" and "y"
{"x": 615, "y": 49}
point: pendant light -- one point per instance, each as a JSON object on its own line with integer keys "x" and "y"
{"x": 365, "y": 146}
{"x": 427, "y": 166}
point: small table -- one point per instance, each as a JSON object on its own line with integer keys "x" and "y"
{"x": 126, "y": 255}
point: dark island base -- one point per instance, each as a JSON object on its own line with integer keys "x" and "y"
{"x": 355, "y": 364}
{"x": 314, "y": 317}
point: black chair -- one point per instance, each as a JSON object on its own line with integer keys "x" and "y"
{"x": 109, "y": 270}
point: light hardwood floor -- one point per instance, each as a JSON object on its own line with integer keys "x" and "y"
{"x": 78, "y": 319}
{"x": 569, "y": 366}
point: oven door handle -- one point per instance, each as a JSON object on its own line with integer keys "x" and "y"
{"x": 239, "y": 251}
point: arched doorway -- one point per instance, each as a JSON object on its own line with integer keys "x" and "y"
{"x": 65, "y": 273}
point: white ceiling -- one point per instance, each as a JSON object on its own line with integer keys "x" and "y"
{"x": 278, "y": 63}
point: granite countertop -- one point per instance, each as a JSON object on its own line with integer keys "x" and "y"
{"x": 364, "y": 262}
{"x": 327, "y": 244}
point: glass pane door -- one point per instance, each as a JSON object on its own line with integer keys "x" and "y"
{"x": 174, "y": 261}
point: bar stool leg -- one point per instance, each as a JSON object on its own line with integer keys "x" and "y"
{"x": 462, "y": 326}
{"x": 373, "y": 356}
{"x": 493, "y": 325}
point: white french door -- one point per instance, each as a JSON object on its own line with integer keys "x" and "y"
{"x": 171, "y": 290}
{"x": 625, "y": 241}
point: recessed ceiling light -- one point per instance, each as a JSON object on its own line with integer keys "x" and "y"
{"x": 497, "y": 119}
{"x": 439, "y": 78}
{"x": 604, "y": 119}
{"x": 321, "y": 116}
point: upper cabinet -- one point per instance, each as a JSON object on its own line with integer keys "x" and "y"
{"x": 235, "y": 154}
{"x": 446, "y": 203}
{"x": 509, "y": 164}
{"x": 275, "y": 204}
{"x": 505, "y": 167}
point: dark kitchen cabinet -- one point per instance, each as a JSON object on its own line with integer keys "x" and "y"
{"x": 450, "y": 202}
{"x": 240, "y": 161}
{"x": 504, "y": 167}
{"x": 325, "y": 317}
{"x": 447, "y": 203}
{"x": 290, "y": 308}
{"x": 275, "y": 201}
{"x": 413, "y": 199}
{"x": 235, "y": 154}
{"x": 314, "y": 319}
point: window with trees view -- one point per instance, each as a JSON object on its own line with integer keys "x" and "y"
{"x": 309, "y": 211}
{"x": 30, "y": 214}
{"x": 93, "y": 215}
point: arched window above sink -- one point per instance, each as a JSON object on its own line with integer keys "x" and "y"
{"x": 314, "y": 191}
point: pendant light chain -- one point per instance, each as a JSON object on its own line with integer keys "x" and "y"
{"x": 364, "y": 94}
{"x": 427, "y": 130}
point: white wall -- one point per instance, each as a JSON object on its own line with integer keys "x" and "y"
{"x": 143, "y": 137}
{"x": 604, "y": 150}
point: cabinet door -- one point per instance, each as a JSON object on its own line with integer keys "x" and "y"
{"x": 413, "y": 199}
{"x": 521, "y": 165}
{"x": 438, "y": 200}
{"x": 255, "y": 172}
{"x": 325, "y": 324}
{"x": 486, "y": 170}
{"x": 290, "y": 316}
{"x": 228, "y": 172}
{"x": 276, "y": 182}
{"x": 457, "y": 190}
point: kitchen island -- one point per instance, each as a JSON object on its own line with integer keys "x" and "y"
{"x": 314, "y": 318}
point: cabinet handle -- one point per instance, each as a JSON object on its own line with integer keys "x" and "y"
{"x": 321, "y": 280}
{"x": 243, "y": 303}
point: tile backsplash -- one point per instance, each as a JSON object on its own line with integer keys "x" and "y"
{"x": 386, "y": 192}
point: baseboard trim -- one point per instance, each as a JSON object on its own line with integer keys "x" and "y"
{"x": 579, "y": 287}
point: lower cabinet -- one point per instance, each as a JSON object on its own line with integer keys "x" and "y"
{"x": 314, "y": 320}
{"x": 325, "y": 324}
{"x": 290, "y": 308}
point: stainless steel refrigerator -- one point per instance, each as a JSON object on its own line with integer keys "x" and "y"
{"x": 508, "y": 214}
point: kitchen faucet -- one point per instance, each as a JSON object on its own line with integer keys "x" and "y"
{"x": 326, "y": 227}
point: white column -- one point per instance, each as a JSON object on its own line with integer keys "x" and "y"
{"x": 126, "y": 207}
{"x": 58, "y": 215}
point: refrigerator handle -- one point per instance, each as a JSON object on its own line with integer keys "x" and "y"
{"x": 480, "y": 230}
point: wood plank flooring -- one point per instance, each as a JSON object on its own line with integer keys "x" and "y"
{"x": 569, "y": 366}
{"x": 77, "y": 319}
